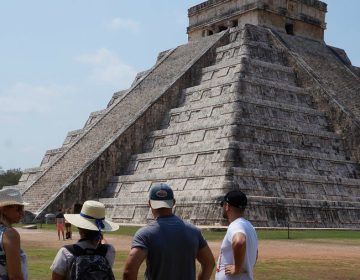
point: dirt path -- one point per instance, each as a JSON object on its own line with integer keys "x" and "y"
{"x": 268, "y": 249}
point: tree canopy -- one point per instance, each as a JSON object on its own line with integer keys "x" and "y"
{"x": 9, "y": 177}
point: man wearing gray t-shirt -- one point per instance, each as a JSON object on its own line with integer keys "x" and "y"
{"x": 169, "y": 244}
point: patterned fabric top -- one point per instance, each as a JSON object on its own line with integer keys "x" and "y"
{"x": 3, "y": 270}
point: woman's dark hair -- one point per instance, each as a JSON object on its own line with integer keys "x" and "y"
{"x": 90, "y": 234}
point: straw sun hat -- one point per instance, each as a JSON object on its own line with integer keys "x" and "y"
{"x": 11, "y": 196}
{"x": 92, "y": 217}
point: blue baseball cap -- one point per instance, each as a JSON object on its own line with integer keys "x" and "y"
{"x": 161, "y": 196}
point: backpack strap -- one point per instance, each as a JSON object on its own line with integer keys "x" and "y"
{"x": 76, "y": 250}
{"x": 102, "y": 249}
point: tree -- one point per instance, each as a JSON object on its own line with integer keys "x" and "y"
{"x": 10, "y": 177}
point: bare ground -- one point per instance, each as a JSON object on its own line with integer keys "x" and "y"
{"x": 268, "y": 249}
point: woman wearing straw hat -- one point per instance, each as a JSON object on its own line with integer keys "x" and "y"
{"x": 13, "y": 263}
{"x": 91, "y": 223}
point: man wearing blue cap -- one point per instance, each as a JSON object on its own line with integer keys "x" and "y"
{"x": 169, "y": 244}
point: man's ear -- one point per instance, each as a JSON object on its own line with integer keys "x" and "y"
{"x": 174, "y": 201}
{"x": 227, "y": 206}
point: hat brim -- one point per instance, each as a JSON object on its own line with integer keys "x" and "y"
{"x": 8, "y": 203}
{"x": 82, "y": 222}
{"x": 156, "y": 204}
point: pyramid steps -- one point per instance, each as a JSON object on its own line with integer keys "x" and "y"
{"x": 224, "y": 153}
{"x": 233, "y": 99}
{"x": 261, "y": 113}
{"x": 297, "y": 161}
{"x": 214, "y": 152}
{"x": 93, "y": 156}
{"x": 248, "y": 112}
{"x": 253, "y": 67}
{"x": 258, "y": 182}
{"x": 302, "y": 213}
{"x": 325, "y": 142}
{"x": 333, "y": 75}
{"x": 259, "y": 88}
{"x": 252, "y": 49}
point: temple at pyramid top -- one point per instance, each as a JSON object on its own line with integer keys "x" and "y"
{"x": 304, "y": 18}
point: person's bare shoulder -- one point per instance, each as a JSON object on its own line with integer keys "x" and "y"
{"x": 12, "y": 233}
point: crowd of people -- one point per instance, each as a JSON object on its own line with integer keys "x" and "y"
{"x": 169, "y": 245}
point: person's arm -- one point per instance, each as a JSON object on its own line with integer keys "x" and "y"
{"x": 207, "y": 262}
{"x": 11, "y": 243}
{"x": 239, "y": 249}
{"x": 59, "y": 266}
{"x": 56, "y": 276}
{"x": 132, "y": 264}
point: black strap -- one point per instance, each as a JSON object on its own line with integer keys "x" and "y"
{"x": 76, "y": 250}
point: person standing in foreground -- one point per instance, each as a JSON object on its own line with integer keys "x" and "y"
{"x": 60, "y": 223}
{"x": 13, "y": 263}
{"x": 91, "y": 223}
{"x": 239, "y": 249}
{"x": 169, "y": 244}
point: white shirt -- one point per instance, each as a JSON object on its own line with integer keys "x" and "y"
{"x": 62, "y": 262}
{"x": 226, "y": 257}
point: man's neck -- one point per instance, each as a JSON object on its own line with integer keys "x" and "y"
{"x": 162, "y": 212}
{"x": 234, "y": 217}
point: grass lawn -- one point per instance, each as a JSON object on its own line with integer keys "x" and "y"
{"x": 263, "y": 234}
{"x": 307, "y": 270}
{"x": 40, "y": 258}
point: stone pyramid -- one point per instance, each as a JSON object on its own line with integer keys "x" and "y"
{"x": 256, "y": 100}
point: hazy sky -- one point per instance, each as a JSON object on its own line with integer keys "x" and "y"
{"x": 62, "y": 60}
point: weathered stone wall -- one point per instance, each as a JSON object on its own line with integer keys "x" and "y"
{"x": 334, "y": 86}
{"x": 356, "y": 70}
{"x": 306, "y": 17}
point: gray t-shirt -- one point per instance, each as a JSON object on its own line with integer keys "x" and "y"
{"x": 172, "y": 246}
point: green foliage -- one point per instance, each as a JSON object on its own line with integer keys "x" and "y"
{"x": 9, "y": 177}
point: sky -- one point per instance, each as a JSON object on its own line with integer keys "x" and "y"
{"x": 62, "y": 60}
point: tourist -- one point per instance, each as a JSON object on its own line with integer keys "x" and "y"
{"x": 91, "y": 223}
{"x": 239, "y": 249}
{"x": 13, "y": 264}
{"x": 68, "y": 232}
{"x": 60, "y": 223}
{"x": 169, "y": 244}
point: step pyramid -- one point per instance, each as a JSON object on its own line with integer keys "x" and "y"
{"x": 250, "y": 107}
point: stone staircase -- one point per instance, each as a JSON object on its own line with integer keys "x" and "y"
{"x": 89, "y": 157}
{"x": 249, "y": 121}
